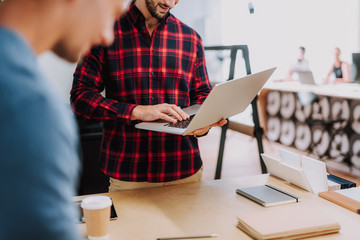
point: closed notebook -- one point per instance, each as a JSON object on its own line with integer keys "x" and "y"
{"x": 267, "y": 195}
{"x": 287, "y": 222}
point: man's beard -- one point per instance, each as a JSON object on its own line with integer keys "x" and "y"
{"x": 152, "y": 9}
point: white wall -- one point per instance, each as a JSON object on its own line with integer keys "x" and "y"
{"x": 59, "y": 72}
{"x": 278, "y": 27}
{"x": 203, "y": 16}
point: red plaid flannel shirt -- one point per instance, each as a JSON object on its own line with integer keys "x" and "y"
{"x": 139, "y": 69}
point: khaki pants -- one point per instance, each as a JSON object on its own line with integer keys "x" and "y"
{"x": 118, "y": 185}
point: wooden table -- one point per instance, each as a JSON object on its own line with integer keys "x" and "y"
{"x": 206, "y": 208}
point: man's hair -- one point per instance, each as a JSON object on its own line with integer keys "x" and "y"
{"x": 302, "y": 48}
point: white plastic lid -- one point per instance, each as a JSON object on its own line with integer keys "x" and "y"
{"x": 96, "y": 202}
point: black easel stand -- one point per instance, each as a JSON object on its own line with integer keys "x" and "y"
{"x": 258, "y": 131}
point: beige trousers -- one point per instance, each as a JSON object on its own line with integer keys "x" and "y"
{"x": 118, "y": 185}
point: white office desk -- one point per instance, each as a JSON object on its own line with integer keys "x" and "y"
{"x": 345, "y": 90}
{"x": 206, "y": 208}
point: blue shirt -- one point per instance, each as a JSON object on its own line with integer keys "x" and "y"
{"x": 39, "y": 163}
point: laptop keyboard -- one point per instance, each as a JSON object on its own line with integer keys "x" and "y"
{"x": 181, "y": 124}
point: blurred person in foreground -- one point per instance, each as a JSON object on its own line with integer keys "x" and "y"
{"x": 39, "y": 163}
{"x": 155, "y": 67}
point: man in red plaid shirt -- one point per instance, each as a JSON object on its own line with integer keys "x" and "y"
{"x": 155, "y": 67}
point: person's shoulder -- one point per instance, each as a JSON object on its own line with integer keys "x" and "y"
{"x": 183, "y": 26}
{"x": 18, "y": 70}
{"x": 344, "y": 63}
{"x": 15, "y": 50}
{"x": 25, "y": 94}
{"x": 9, "y": 35}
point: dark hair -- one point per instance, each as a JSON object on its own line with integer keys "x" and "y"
{"x": 302, "y": 48}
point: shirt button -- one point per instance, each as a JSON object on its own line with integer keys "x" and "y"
{"x": 152, "y": 98}
{"x": 152, "y": 73}
{"x": 153, "y": 49}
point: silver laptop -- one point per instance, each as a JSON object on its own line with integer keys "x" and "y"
{"x": 225, "y": 100}
{"x": 306, "y": 77}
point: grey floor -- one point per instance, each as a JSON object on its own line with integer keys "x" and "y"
{"x": 240, "y": 155}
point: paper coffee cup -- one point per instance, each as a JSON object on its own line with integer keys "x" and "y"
{"x": 97, "y": 216}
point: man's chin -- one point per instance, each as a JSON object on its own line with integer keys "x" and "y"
{"x": 70, "y": 56}
{"x": 161, "y": 16}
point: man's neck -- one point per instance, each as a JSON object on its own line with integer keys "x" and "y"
{"x": 150, "y": 21}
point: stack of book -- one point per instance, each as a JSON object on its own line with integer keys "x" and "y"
{"x": 287, "y": 222}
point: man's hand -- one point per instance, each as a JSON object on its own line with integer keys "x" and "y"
{"x": 202, "y": 131}
{"x": 167, "y": 112}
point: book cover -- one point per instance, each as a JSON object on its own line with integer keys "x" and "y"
{"x": 286, "y": 222}
{"x": 267, "y": 195}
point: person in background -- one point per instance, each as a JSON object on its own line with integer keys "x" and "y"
{"x": 301, "y": 64}
{"x": 340, "y": 69}
{"x": 155, "y": 67}
{"x": 39, "y": 162}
